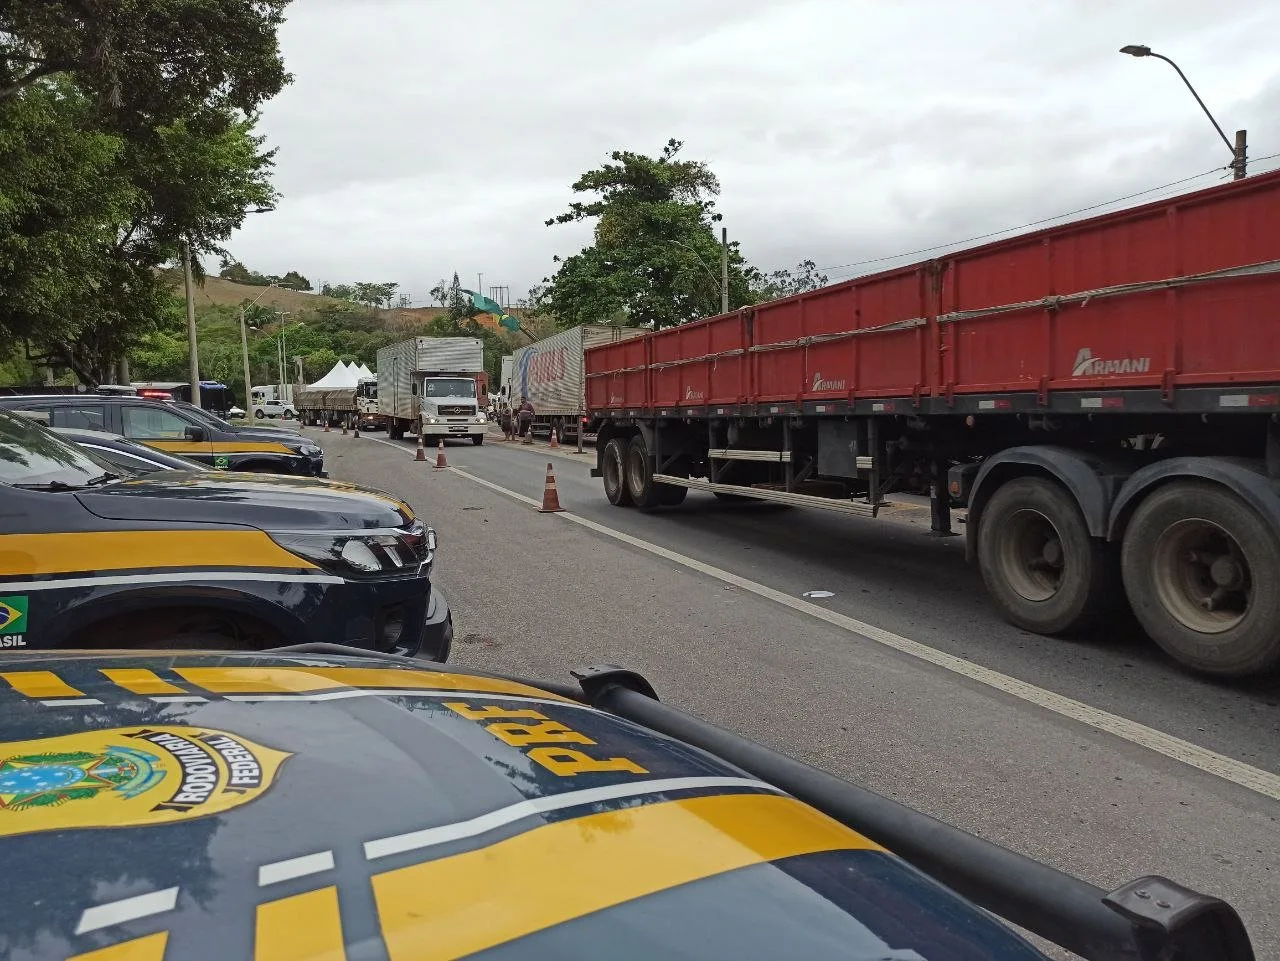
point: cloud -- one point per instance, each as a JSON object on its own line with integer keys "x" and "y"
{"x": 426, "y": 136}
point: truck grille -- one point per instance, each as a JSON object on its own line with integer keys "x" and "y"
{"x": 457, "y": 410}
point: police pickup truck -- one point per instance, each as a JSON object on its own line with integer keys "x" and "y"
{"x": 177, "y": 430}
{"x": 204, "y": 558}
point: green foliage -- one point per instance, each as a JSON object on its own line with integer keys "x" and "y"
{"x": 368, "y": 294}
{"x": 785, "y": 283}
{"x": 147, "y": 61}
{"x": 125, "y": 129}
{"x": 236, "y": 272}
{"x": 655, "y": 259}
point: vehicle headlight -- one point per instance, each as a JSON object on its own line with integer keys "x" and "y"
{"x": 310, "y": 450}
{"x": 405, "y": 551}
{"x": 433, "y": 420}
{"x": 480, "y": 419}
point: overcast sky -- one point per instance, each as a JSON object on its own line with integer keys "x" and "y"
{"x": 422, "y": 137}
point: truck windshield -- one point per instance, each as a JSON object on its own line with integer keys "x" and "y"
{"x": 449, "y": 387}
{"x": 33, "y": 456}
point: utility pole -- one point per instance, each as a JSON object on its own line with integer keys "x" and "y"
{"x": 244, "y": 357}
{"x": 1242, "y": 154}
{"x": 724, "y": 270}
{"x": 193, "y": 365}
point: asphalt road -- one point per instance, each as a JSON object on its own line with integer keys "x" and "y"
{"x": 904, "y": 680}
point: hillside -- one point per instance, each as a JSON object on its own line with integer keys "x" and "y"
{"x": 215, "y": 291}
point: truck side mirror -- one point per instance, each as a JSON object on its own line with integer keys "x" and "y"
{"x": 196, "y": 435}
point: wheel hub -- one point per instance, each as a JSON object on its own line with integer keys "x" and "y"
{"x": 1201, "y": 575}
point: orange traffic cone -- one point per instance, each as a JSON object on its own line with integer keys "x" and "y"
{"x": 326, "y": 425}
{"x": 421, "y": 454}
{"x": 550, "y": 499}
{"x": 440, "y": 461}
{"x": 344, "y": 425}
{"x": 555, "y": 441}
{"x": 356, "y": 425}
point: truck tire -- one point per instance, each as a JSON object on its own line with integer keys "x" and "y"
{"x": 1041, "y": 567}
{"x": 477, "y": 439}
{"x": 640, "y": 485}
{"x": 1202, "y": 571}
{"x": 613, "y": 471}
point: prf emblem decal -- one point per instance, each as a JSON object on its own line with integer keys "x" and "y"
{"x": 222, "y": 462}
{"x": 124, "y": 777}
{"x": 13, "y": 621}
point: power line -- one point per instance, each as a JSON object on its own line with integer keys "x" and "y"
{"x": 1034, "y": 223}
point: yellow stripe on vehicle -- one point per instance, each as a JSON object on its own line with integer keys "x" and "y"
{"x": 302, "y": 680}
{"x": 305, "y": 927}
{"x": 139, "y": 680}
{"x": 33, "y": 554}
{"x": 150, "y": 948}
{"x": 219, "y": 447}
{"x": 39, "y": 684}
{"x": 467, "y": 903}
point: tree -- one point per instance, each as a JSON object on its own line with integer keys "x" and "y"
{"x": 147, "y": 61}
{"x": 786, "y": 283}
{"x": 295, "y": 281}
{"x": 94, "y": 215}
{"x": 654, "y": 247}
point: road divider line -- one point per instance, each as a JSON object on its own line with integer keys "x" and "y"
{"x": 1237, "y": 772}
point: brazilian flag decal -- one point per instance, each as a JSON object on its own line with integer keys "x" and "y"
{"x": 13, "y": 615}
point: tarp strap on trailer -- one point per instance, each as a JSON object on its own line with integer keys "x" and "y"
{"x": 889, "y": 328}
{"x": 1084, "y": 296}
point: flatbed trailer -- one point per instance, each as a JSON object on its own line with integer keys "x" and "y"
{"x": 1103, "y": 397}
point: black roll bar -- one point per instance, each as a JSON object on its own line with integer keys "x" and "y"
{"x": 1150, "y": 919}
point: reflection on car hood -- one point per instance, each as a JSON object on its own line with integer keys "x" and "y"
{"x": 270, "y": 433}
{"x": 267, "y": 501}
{"x": 213, "y": 807}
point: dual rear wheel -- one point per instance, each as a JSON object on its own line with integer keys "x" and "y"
{"x": 627, "y": 470}
{"x": 1199, "y": 567}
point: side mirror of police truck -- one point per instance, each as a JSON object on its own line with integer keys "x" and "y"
{"x": 196, "y": 434}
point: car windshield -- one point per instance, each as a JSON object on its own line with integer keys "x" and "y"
{"x": 202, "y": 415}
{"x": 450, "y": 387}
{"x": 34, "y": 456}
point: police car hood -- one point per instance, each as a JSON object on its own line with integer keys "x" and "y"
{"x": 269, "y": 502}
{"x": 206, "y": 807}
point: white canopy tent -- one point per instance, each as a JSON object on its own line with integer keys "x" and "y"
{"x": 341, "y": 377}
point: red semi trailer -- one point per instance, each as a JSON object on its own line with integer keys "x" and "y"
{"x": 1103, "y": 397}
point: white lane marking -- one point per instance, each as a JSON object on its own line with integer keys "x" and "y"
{"x": 1237, "y": 772}
{"x": 180, "y": 699}
{"x": 399, "y": 692}
{"x": 129, "y": 909}
{"x": 300, "y": 867}
{"x": 184, "y": 576}
{"x": 428, "y": 837}
{"x": 72, "y": 700}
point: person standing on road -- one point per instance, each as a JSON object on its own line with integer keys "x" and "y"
{"x": 524, "y": 414}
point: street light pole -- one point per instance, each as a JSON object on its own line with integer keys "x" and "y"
{"x": 1239, "y": 149}
{"x": 193, "y": 346}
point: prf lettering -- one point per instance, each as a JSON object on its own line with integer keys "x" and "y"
{"x": 543, "y": 740}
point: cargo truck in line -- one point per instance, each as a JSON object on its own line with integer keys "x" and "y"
{"x": 435, "y": 386}
{"x": 552, "y": 374}
{"x": 354, "y": 405}
{"x": 1103, "y": 398}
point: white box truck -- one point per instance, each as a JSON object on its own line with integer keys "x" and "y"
{"x": 551, "y": 374}
{"x": 435, "y": 385}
